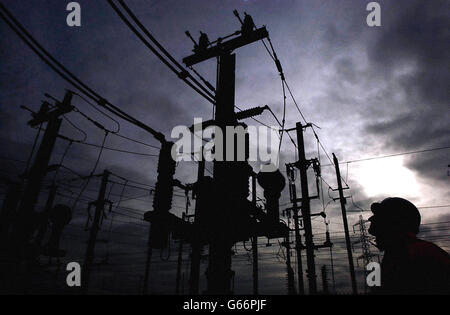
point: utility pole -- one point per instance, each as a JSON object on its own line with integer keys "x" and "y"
{"x": 325, "y": 280}
{"x": 9, "y": 207}
{"x": 196, "y": 246}
{"x": 298, "y": 240}
{"x": 290, "y": 271}
{"x": 162, "y": 203}
{"x": 39, "y": 169}
{"x": 365, "y": 244}
{"x": 303, "y": 165}
{"x": 99, "y": 210}
{"x": 180, "y": 258}
{"x": 219, "y": 272}
{"x": 48, "y": 207}
{"x": 254, "y": 242}
{"x": 344, "y": 218}
{"x": 148, "y": 262}
{"x": 230, "y": 178}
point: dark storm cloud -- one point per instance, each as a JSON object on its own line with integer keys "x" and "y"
{"x": 419, "y": 36}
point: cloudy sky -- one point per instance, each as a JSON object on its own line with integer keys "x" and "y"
{"x": 373, "y": 91}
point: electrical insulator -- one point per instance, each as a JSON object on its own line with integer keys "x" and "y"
{"x": 316, "y": 167}
{"x": 291, "y": 174}
{"x": 272, "y": 183}
{"x": 248, "y": 25}
{"x": 203, "y": 42}
{"x": 59, "y": 216}
{"x": 162, "y": 201}
{"x": 251, "y": 112}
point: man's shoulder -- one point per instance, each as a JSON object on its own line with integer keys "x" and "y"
{"x": 428, "y": 249}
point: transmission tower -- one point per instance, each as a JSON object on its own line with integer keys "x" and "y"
{"x": 364, "y": 239}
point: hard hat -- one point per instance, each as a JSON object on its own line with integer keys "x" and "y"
{"x": 399, "y": 212}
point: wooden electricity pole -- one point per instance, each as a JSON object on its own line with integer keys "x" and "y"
{"x": 344, "y": 218}
{"x": 180, "y": 258}
{"x": 194, "y": 274}
{"x": 290, "y": 271}
{"x": 148, "y": 263}
{"x": 8, "y": 210}
{"x": 325, "y": 280}
{"x": 48, "y": 207}
{"x": 303, "y": 164}
{"x": 99, "y": 209}
{"x": 298, "y": 240}
{"x": 228, "y": 176}
{"x": 254, "y": 242}
{"x": 38, "y": 171}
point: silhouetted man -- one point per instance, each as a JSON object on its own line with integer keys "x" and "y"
{"x": 410, "y": 265}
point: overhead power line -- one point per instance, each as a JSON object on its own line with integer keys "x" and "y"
{"x": 105, "y": 147}
{"x": 62, "y": 71}
{"x": 392, "y": 155}
{"x": 181, "y": 72}
{"x": 274, "y": 57}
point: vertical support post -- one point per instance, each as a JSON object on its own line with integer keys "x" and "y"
{"x": 332, "y": 270}
{"x": 219, "y": 272}
{"x": 196, "y": 247}
{"x": 162, "y": 202}
{"x": 254, "y": 242}
{"x": 48, "y": 206}
{"x": 148, "y": 262}
{"x": 8, "y": 209}
{"x": 180, "y": 260}
{"x": 99, "y": 208}
{"x": 344, "y": 218}
{"x": 39, "y": 169}
{"x": 325, "y": 280}
{"x": 298, "y": 238}
{"x": 306, "y": 211}
{"x": 36, "y": 176}
{"x": 290, "y": 272}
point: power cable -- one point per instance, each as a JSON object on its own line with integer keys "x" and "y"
{"x": 77, "y": 128}
{"x": 136, "y": 141}
{"x": 92, "y": 172}
{"x": 105, "y": 147}
{"x": 200, "y": 89}
{"x": 62, "y": 160}
{"x": 30, "y": 157}
{"x": 100, "y": 111}
{"x": 392, "y": 155}
{"x": 69, "y": 77}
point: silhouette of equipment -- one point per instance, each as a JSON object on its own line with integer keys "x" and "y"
{"x": 59, "y": 217}
{"x": 203, "y": 42}
{"x": 224, "y": 215}
{"x": 273, "y": 184}
{"x": 45, "y": 114}
{"x": 25, "y": 223}
{"x": 248, "y": 25}
{"x": 248, "y": 113}
{"x": 221, "y": 47}
{"x": 160, "y": 217}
